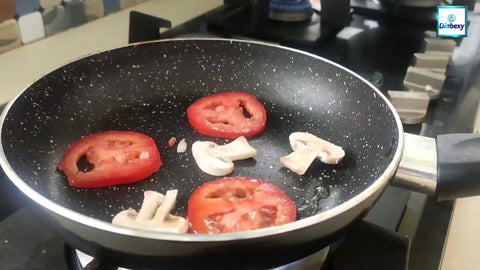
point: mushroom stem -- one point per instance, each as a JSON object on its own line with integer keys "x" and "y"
{"x": 235, "y": 150}
{"x": 154, "y": 214}
{"x": 151, "y": 201}
{"x": 299, "y": 161}
{"x": 166, "y": 206}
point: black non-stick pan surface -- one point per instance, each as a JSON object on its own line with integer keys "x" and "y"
{"x": 148, "y": 87}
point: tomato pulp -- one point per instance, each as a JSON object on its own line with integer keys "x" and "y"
{"x": 117, "y": 157}
{"x": 234, "y": 204}
{"x": 228, "y": 115}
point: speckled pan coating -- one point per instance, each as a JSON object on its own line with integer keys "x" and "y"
{"x": 147, "y": 88}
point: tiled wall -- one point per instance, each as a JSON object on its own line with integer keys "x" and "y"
{"x": 24, "y": 21}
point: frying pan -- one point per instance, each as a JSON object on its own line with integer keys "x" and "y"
{"x": 146, "y": 88}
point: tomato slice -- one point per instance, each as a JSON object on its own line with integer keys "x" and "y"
{"x": 228, "y": 115}
{"x": 234, "y": 204}
{"x": 117, "y": 157}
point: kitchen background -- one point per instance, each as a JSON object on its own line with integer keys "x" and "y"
{"x": 25, "y": 21}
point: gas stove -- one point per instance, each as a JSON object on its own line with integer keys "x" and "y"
{"x": 404, "y": 230}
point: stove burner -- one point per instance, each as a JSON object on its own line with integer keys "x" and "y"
{"x": 363, "y": 246}
{"x": 290, "y": 10}
{"x": 311, "y": 262}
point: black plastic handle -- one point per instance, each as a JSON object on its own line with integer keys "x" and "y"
{"x": 144, "y": 27}
{"x": 458, "y": 170}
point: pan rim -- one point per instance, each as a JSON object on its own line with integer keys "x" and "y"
{"x": 85, "y": 220}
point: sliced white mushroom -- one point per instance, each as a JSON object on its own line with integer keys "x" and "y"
{"x": 182, "y": 146}
{"x": 299, "y": 161}
{"x": 154, "y": 214}
{"x": 151, "y": 201}
{"x": 328, "y": 152}
{"x": 208, "y": 162}
{"x": 236, "y": 150}
{"x": 306, "y": 147}
{"x": 218, "y": 160}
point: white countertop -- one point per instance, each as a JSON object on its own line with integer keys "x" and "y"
{"x": 22, "y": 66}
{"x": 462, "y": 246}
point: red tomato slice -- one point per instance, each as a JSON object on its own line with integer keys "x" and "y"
{"x": 234, "y": 204}
{"x": 228, "y": 115}
{"x": 118, "y": 157}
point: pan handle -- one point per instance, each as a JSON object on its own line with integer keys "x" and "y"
{"x": 447, "y": 168}
{"x": 458, "y": 172}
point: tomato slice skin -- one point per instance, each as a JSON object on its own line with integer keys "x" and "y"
{"x": 234, "y": 204}
{"x": 118, "y": 157}
{"x": 228, "y": 115}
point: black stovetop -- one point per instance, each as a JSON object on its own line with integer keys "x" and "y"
{"x": 381, "y": 52}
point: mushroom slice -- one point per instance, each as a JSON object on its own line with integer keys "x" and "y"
{"x": 154, "y": 214}
{"x": 235, "y": 150}
{"x": 182, "y": 146}
{"x": 208, "y": 162}
{"x": 218, "y": 160}
{"x": 299, "y": 161}
{"x": 306, "y": 147}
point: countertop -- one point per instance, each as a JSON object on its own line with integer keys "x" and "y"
{"x": 22, "y": 66}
